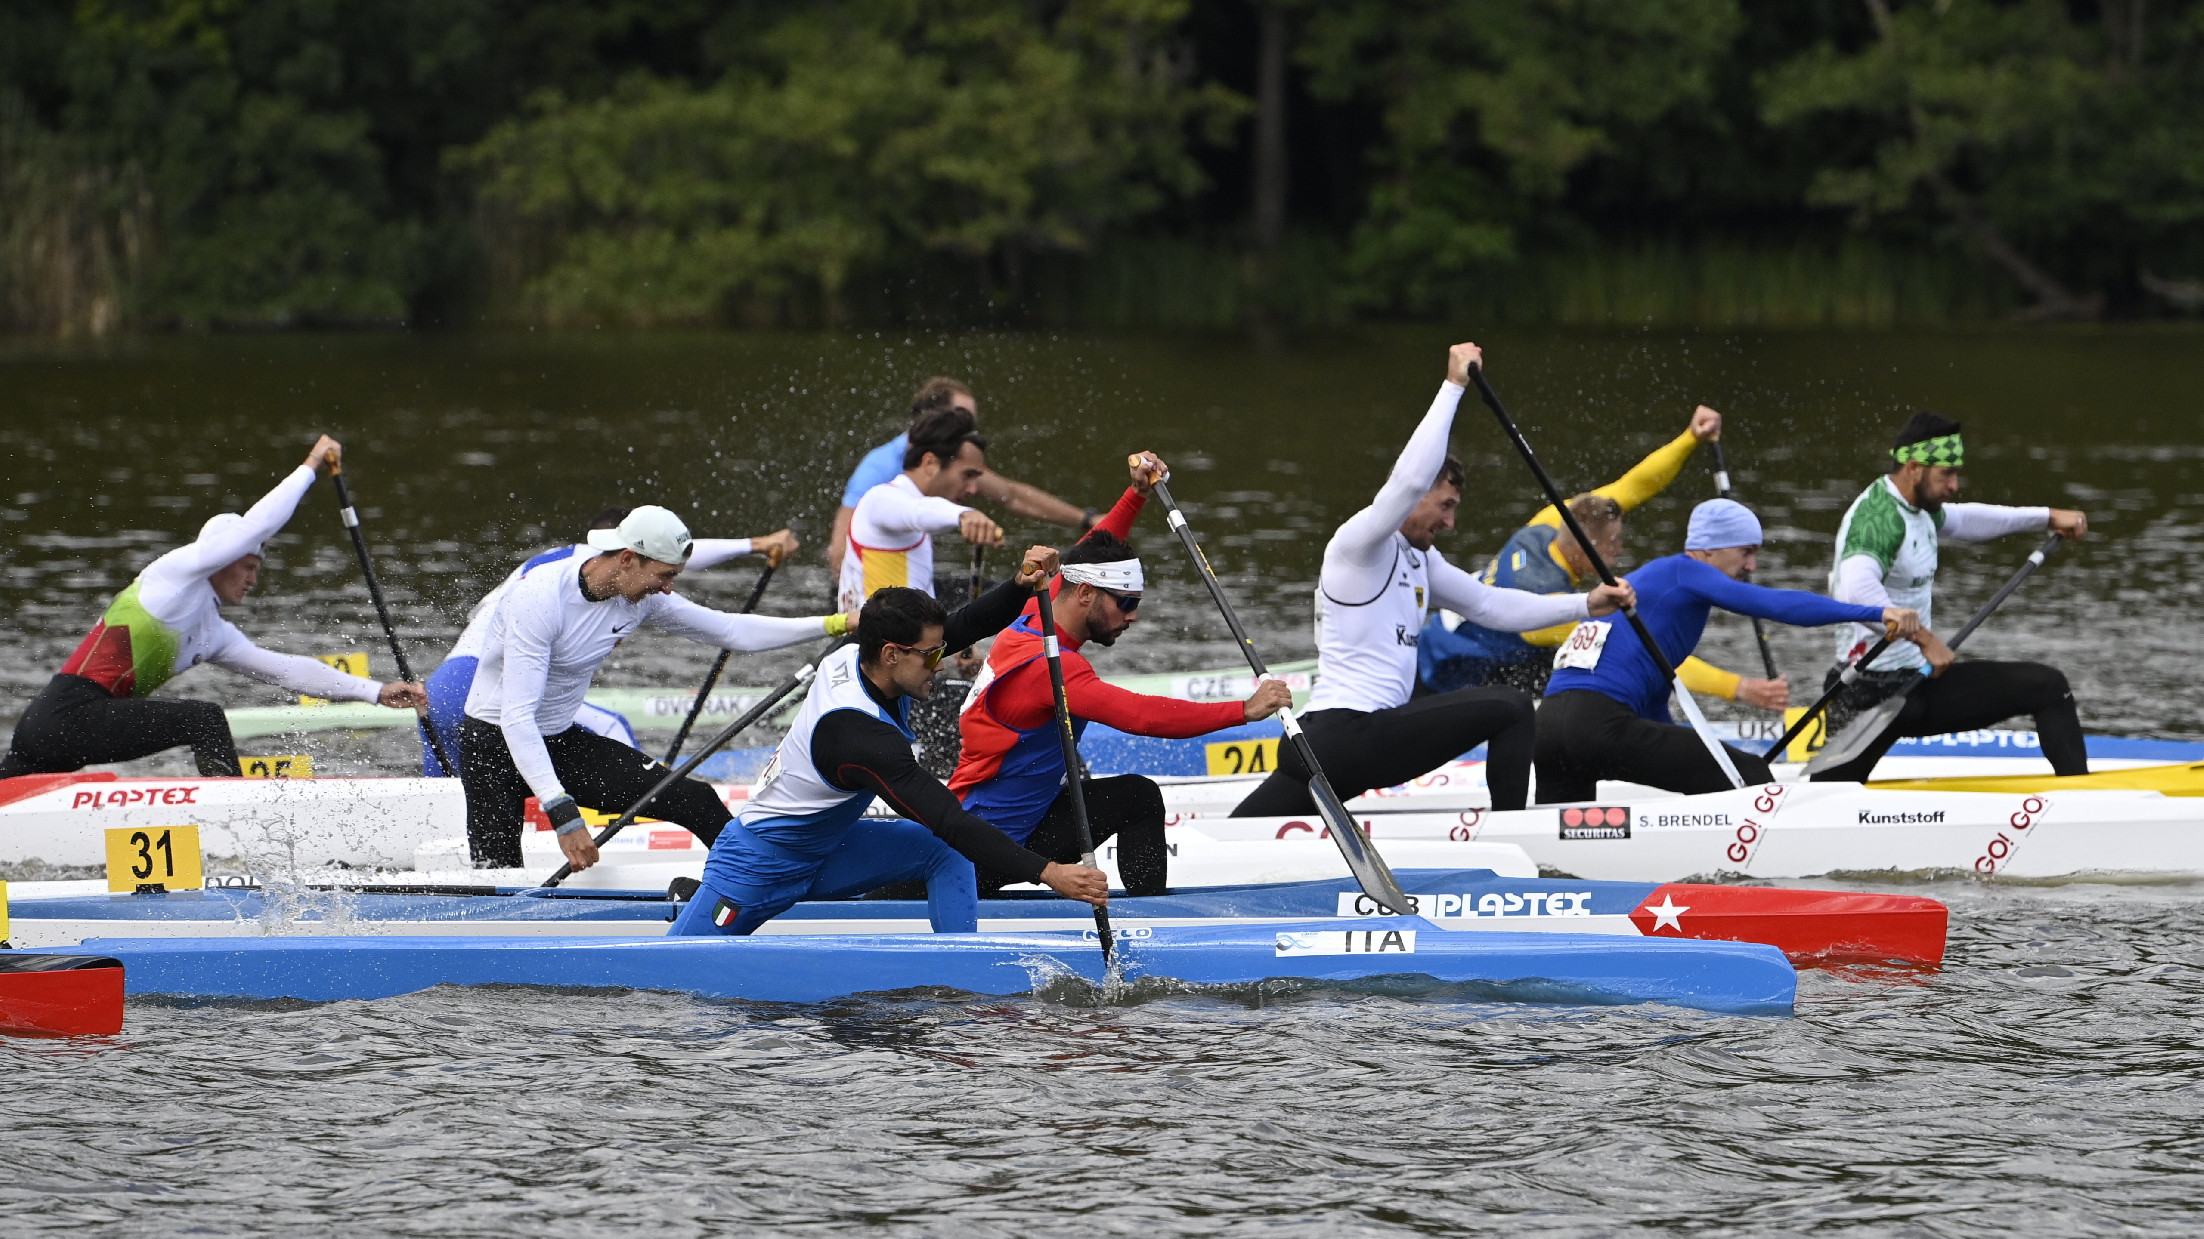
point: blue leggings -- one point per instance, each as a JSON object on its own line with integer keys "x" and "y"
{"x": 447, "y": 686}
{"x": 874, "y": 852}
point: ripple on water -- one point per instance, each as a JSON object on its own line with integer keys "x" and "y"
{"x": 2047, "y": 1077}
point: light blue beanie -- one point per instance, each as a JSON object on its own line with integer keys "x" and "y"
{"x": 1719, "y": 523}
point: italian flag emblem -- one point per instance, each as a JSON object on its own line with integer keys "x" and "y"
{"x": 725, "y": 914}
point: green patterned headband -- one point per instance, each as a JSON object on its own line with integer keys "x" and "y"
{"x": 1944, "y": 451}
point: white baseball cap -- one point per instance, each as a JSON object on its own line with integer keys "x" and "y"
{"x": 649, "y": 531}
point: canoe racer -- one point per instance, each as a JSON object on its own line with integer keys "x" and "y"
{"x": 1605, "y": 715}
{"x": 880, "y": 465}
{"x": 1379, "y": 578}
{"x": 1886, "y": 554}
{"x": 545, "y": 642}
{"x": 803, "y": 833}
{"x": 891, "y": 533}
{"x": 449, "y": 683}
{"x": 1543, "y": 558}
{"x": 1011, "y": 771}
{"x": 165, "y": 622}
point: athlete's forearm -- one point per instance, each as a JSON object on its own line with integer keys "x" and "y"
{"x": 712, "y": 552}
{"x": 856, "y": 753}
{"x": 1119, "y": 519}
{"x": 1784, "y": 606}
{"x": 1505, "y": 610}
{"x": 985, "y": 615}
{"x": 1134, "y": 713}
{"x": 1649, "y": 477}
{"x": 746, "y": 634}
{"x": 1029, "y": 501}
{"x": 1708, "y": 680}
{"x": 1980, "y": 522}
{"x": 296, "y": 672}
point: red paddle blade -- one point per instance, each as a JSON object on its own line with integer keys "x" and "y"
{"x": 59, "y": 995}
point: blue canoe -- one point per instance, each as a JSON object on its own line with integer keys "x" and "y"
{"x": 1404, "y": 955}
{"x": 1810, "y": 925}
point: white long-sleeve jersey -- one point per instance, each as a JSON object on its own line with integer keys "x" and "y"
{"x": 1375, "y": 588}
{"x": 546, "y": 641}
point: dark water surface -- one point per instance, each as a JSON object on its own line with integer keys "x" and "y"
{"x": 468, "y": 454}
{"x": 2048, "y": 1080}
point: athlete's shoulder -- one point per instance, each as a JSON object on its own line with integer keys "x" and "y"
{"x": 1875, "y": 526}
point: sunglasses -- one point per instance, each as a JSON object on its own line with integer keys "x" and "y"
{"x": 931, "y": 655}
{"x": 1128, "y": 603}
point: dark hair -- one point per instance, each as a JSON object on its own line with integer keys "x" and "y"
{"x": 937, "y": 393}
{"x": 943, "y": 432}
{"x": 610, "y": 518}
{"x": 1452, "y": 473}
{"x": 897, "y": 615}
{"x": 1100, "y": 546}
{"x": 1924, "y": 425}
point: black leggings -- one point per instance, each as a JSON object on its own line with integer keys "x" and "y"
{"x": 600, "y": 773}
{"x": 1967, "y": 696}
{"x": 74, "y": 723}
{"x": 1361, "y": 750}
{"x": 1127, "y": 806}
{"x": 1584, "y": 736}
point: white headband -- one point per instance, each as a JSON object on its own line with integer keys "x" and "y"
{"x": 1122, "y": 576}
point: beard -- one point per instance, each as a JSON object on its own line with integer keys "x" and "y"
{"x": 1105, "y": 639}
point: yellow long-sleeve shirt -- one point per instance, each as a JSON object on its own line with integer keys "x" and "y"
{"x": 1649, "y": 477}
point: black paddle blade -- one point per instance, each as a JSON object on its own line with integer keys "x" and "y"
{"x": 1363, "y": 861}
{"x": 1863, "y": 732}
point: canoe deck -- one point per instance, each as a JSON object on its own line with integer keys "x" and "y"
{"x": 1398, "y": 954}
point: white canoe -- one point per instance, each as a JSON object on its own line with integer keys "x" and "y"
{"x": 1798, "y": 830}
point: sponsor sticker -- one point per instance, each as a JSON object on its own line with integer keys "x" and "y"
{"x": 1584, "y": 822}
{"x": 1868, "y": 817}
{"x": 123, "y": 797}
{"x": 1348, "y": 942}
{"x": 1471, "y": 906}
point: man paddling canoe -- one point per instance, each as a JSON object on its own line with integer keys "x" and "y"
{"x": 1606, "y": 710}
{"x": 167, "y": 621}
{"x": 891, "y": 533}
{"x": 1379, "y": 578}
{"x": 881, "y": 464}
{"x": 1543, "y": 558}
{"x": 449, "y": 684}
{"x": 1887, "y": 554}
{"x": 1011, "y": 771}
{"x": 545, "y": 641}
{"x": 804, "y": 834}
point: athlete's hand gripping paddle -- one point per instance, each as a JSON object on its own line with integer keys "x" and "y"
{"x": 1869, "y": 727}
{"x": 1652, "y": 648}
{"x": 1845, "y": 679}
{"x": 1369, "y": 868}
{"x": 753, "y": 714}
{"x": 382, "y": 611}
{"x": 1759, "y": 629}
{"x": 1074, "y": 778}
{"x": 719, "y": 664}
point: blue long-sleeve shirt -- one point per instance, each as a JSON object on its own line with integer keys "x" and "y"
{"x": 1675, "y": 593}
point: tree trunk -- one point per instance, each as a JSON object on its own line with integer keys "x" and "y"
{"x": 1270, "y": 130}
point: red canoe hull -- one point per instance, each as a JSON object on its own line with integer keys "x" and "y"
{"x": 60, "y": 996}
{"x": 1811, "y": 927}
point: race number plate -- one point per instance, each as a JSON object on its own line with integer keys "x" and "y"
{"x": 354, "y": 663}
{"x": 279, "y": 766}
{"x": 1582, "y": 649}
{"x": 160, "y": 858}
{"x": 1242, "y": 756}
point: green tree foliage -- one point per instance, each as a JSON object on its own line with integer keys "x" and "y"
{"x": 1490, "y": 105}
{"x": 2066, "y": 146}
{"x": 845, "y": 138}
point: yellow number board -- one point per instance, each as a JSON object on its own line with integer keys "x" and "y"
{"x": 1242, "y": 756}
{"x": 154, "y": 858}
{"x": 354, "y": 663}
{"x": 1809, "y": 741}
{"x": 3, "y": 914}
{"x": 279, "y": 766}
